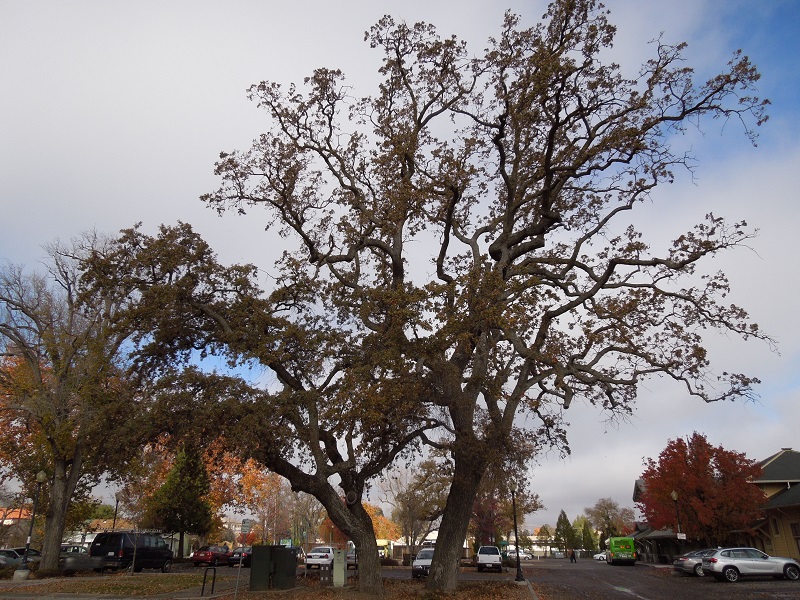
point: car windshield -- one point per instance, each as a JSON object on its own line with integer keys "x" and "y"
{"x": 489, "y": 550}
{"x": 425, "y": 554}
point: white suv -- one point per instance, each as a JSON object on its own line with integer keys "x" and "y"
{"x": 489, "y": 557}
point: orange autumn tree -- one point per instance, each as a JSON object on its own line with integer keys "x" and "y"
{"x": 385, "y": 529}
{"x": 224, "y": 473}
{"x": 713, "y": 495}
{"x": 21, "y": 437}
{"x": 148, "y": 471}
{"x": 267, "y": 496}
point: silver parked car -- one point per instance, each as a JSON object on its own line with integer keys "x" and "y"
{"x": 692, "y": 562}
{"x": 422, "y": 563}
{"x": 729, "y": 564}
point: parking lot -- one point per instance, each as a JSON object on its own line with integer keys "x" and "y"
{"x": 589, "y": 580}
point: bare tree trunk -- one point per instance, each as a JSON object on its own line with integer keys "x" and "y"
{"x": 370, "y": 580}
{"x": 62, "y": 485}
{"x": 469, "y": 469}
{"x": 355, "y": 522}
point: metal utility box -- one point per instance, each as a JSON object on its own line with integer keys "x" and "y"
{"x": 261, "y": 568}
{"x": 272, "y": 567}
{"x": 284, "y": 573}
{"x": 339, "y": 567}
{"x": 325, "y": 575}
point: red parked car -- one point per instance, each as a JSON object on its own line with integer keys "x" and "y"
{"x": 210, "y": 555}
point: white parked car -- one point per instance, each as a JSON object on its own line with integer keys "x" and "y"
{"x": 600, "y": 556}
{"x": 319, "y": 556}
{"x": 523, "y": 555}
{"x": 729, "y": 564}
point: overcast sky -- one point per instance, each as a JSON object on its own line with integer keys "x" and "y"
{"x": 114, "y": 112}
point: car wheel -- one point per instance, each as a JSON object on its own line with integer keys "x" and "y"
{"x": 698, "y": 570}
{"x": 730, "y": 574}
{"x": 480, "y": 568}
{"x": 165, "y": 568}
{"x": 791, "y": 572}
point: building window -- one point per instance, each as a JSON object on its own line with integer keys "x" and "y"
{"x": 775, "y": 529}
{"x": 796, "y": 534}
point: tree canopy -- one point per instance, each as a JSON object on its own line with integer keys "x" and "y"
{"x": 713, "y": 495}
{"x": 610, "y": 519}
{"x": 461, "y": 251}
{"x": 66, "y": 403}
{"x": 180, "y": 504}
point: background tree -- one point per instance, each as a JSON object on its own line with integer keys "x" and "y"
{"x": 267, "y": 497}
{"x": 99, "y": 510}
{"x": 526, "y": 542}
{"x": 588, "y": 539}
{"x": 714, "y": 496}
{"x": 493, "y": 514}
{"x": 385, "y": 528}
{"x": 545, "y": 537}
{"x": 417, "y": 497}
{"x": 66, "y": 405}
{"x": 180, "y": 504}
{"x": 307, "y": 517}
{"x": 564, "y": 536}
{"x": 224, "y": 471}
{"x": 610, "y": 519}
{"x": 9, "y": 503}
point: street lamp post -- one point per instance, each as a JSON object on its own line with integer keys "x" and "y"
{"x": 674, "y": 496}
{"x": 23, "y": 569}
{"x": 116, "y": 507}
{"x": 513, "y": 487}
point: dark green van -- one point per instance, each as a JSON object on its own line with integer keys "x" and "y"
{"x": 620, "y": 551}
{"x": 117, "y": 549}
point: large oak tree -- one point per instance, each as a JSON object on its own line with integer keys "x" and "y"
{"x": 465, "y": 253}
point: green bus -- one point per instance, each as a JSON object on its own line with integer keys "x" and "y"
{"x": 620, "y": 551}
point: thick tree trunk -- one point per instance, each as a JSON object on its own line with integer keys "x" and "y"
{"x": 355, "y": 522}
{"x": 62, "y": 485}
{"x": 370, "y": 580}
{"x": 469, "y": 469}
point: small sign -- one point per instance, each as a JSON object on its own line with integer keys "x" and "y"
{"x": 681, "y": 536}
{"x": 247, "y": 525}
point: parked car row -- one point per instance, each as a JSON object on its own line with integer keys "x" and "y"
{"x": 12, "y": 557}
{"x": 210, "y": 555}
{"x": 115, "y": 551}
{"x": 731, "y": 564}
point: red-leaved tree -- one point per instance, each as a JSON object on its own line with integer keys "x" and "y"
{"x": 713, "y": 496}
